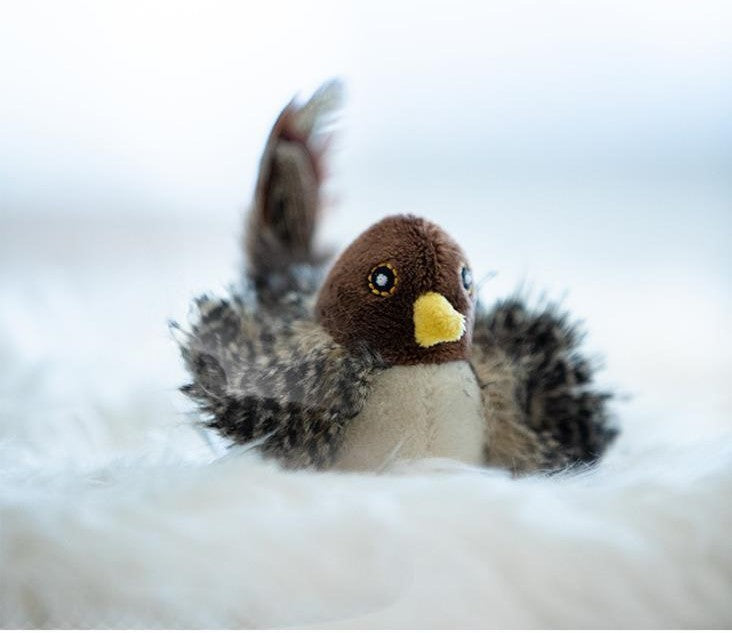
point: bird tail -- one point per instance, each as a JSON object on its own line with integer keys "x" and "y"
{"x": 552, "y": 383}
{"x": 279, "y": 242}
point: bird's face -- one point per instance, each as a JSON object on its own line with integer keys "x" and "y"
{"x": 405, "y": 289}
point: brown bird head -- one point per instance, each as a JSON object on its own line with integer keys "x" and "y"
{"x": 404, "y": 288}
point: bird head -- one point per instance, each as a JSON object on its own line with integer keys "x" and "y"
{"x": 405, "y": 289}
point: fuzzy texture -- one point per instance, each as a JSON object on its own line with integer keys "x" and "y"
{"x": 426, "y": 259}
{"x": 282, "y": 222}
{"x": 416, "y": 411}
{"x": 543, "y": 410}
{"x": 279, "y": 381}
{"x": 282, "y": 383}
{"x": 271, "y": 370}
{"x": 97, "y": 538}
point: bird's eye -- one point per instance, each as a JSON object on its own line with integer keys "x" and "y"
{"x": 467, "y": 278}
{"x": 383, "y": 280}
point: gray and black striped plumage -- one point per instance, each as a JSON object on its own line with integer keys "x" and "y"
{"x": 263, "y": 372}
{"x": 279, "y": 381}
{"x": 562, "y": 416}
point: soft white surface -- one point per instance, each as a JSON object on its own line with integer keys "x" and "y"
{"x": 643, "y": 542}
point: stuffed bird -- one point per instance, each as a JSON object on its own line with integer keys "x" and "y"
{"x": 387, "y": 357}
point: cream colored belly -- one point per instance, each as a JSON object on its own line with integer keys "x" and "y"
{"x": 417, "y": 411}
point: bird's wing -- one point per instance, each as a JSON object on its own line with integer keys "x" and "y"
{"x": 542, "y": 410}
{"x": 279, "y": 383}
{"x": 279, "y": 242}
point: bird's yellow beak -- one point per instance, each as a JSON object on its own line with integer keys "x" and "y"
{"x": 436, "y": 321}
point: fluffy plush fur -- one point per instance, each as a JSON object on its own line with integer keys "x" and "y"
{"x": 101, "y": 536}
{"x": 282, "y": 383}
{"x": 544, "y": 411}
{"x": 439, "y": 410}
{"x": 426, "y": 260}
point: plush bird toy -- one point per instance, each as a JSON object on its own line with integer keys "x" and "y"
{"x": 389, "y": 357}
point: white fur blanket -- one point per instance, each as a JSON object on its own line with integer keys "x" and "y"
{"x": 97, "y": 530}
{"x": 114, "y": 513}
{"x": 167, "y": 542}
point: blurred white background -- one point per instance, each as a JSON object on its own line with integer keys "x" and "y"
{"x": 583, "y": 149}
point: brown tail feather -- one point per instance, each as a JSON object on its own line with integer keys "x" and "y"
{"x": 279, "y": 241}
